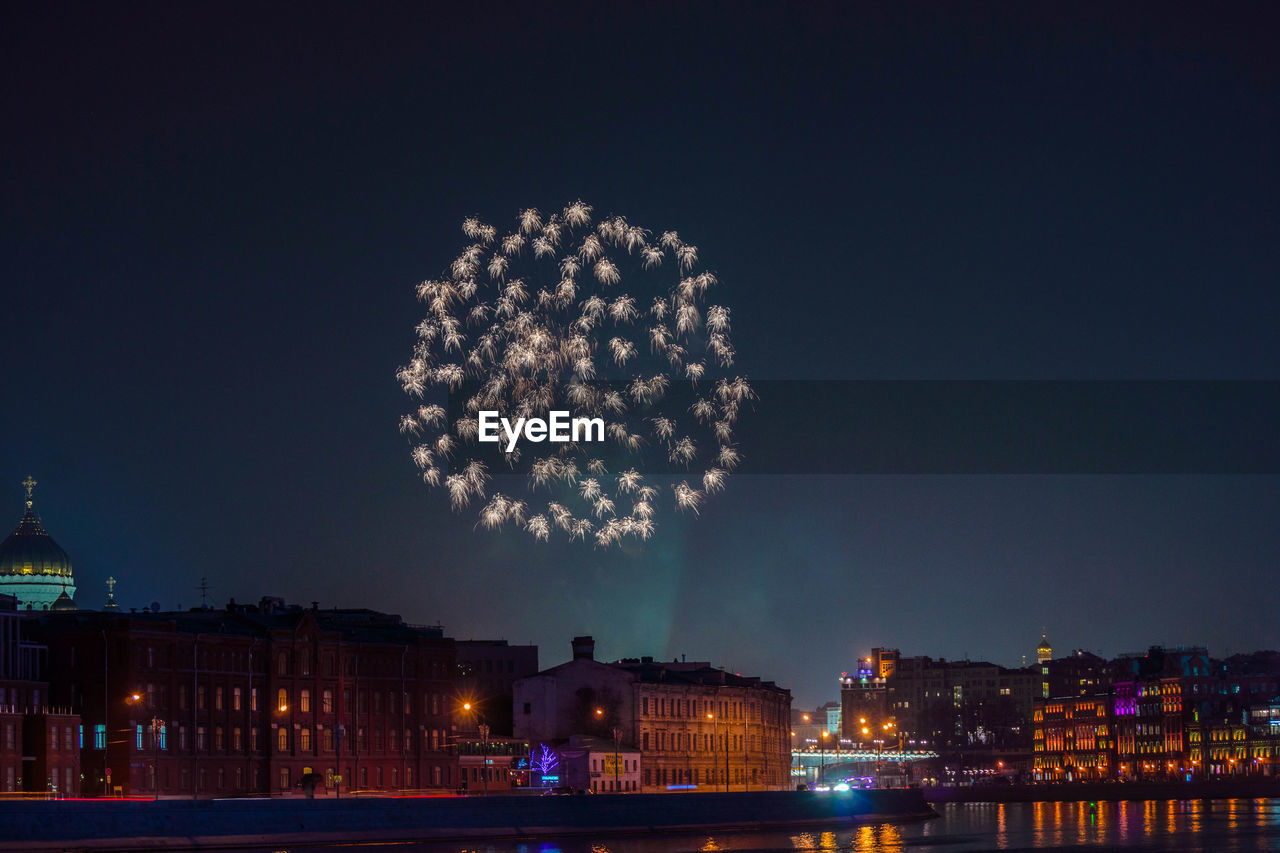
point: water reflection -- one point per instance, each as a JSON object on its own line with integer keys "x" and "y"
{"x": 1196, "y": 826}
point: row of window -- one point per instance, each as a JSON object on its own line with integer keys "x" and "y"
{"x": 433, "y": 740}
{"x": 286, "y": 663}
{"x": 71, "y": 737}
{"x": 707, "y": 776}
{"x": 663, "y": 741}
{"x": 659, "y": 706}
{"x": 157, "y": 698}
{"x": 60, "y": 780}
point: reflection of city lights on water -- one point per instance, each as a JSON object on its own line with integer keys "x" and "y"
{"x": 804, "y": 841}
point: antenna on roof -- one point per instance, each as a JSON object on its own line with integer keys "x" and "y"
{"x": 204, "y": 593}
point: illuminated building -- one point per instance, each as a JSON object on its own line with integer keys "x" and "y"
{"x": 695, "y": 727}
{"x": 1044, "y": 651}
{"x": 1171, "y": 713}
{"x": 864, "y": 694}
{"x": 39, "y": 741}
{"x": 249, "y": 698}
{"x": 1074, "y": 739}
{"x": 33, "y": 568}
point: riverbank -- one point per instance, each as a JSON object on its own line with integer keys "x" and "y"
{"x": 108, "y": 825}
{"x": 1108, "y": 791}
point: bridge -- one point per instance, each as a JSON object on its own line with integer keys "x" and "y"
{"x": 818, "y": 758}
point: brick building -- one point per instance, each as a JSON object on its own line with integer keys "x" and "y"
{"x": 39, "y": 741}
{"x": 250, "y": 698}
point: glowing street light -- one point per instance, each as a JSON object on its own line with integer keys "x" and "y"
{"x": 156, "y": 725}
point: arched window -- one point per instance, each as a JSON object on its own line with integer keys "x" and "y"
{"x": 282, "y": 699}
{"x": 282, "y": 739}
{"x": 304, "y": 700}
{"x": 304, "y": 740}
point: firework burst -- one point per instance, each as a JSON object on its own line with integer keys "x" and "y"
{"x": 603, "y": 318}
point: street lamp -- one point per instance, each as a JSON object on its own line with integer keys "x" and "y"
{"x": 715, "y": 744}
{"x": 484, "y": 756}
{"x": 483, "y": 729}
{"x": 616, "y": 734}
{"x": 616, "y": 786}
{"x": 156, "y": 724}
{"x": 822, "y": 757}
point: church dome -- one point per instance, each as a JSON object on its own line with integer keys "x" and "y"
{"x": 63, "y": 602}
{"x": 32, "y": 566}
{"x": 29, "y": 550}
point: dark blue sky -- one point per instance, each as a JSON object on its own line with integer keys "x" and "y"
{"x": 214, "y": 215}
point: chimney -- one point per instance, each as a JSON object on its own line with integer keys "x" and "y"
{"x": 584, "y": 648}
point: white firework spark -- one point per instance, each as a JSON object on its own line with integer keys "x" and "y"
{"x": 535, "y": 318}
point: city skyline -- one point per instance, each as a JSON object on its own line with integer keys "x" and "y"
{"x": 214, "y": 236}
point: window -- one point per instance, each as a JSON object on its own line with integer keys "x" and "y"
{"x": 304, "y": 662}
{"x": 81, "y": 745}
{"x": 284, "y": 778}
{"x": 346, "y": 700}
{"x": 282, "y": 699}
{"x": 138, "y": 732}
{"x": 327, "y": 740}
{"x": 217, "y": 698}
{"x": 200, "y": 698}
{"x": 235, "y": 698}
{"x": 326, "y": 701}
{"x": 304, "y": 701}
{"x": 377, "y": 702}
{"x": 200, "y": 739}
{"x": 99, "y": 736}
{"x": 237, "y": 741}
{"x": 304, "y": 739}
{"x": 282, "y": 739}
{"x": 217, "y": 739}
{"x": 282, "y": 663}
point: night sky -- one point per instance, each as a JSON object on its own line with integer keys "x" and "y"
{"x": 214, "y": 216}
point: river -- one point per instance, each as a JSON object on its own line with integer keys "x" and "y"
{"x": 1189, "y": 826}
